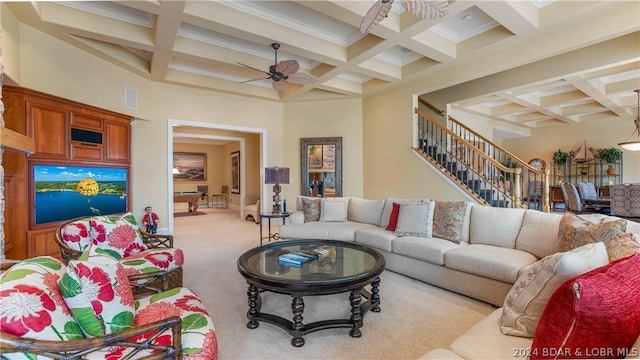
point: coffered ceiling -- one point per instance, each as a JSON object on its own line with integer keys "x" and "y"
{"x": 201, "y": 43}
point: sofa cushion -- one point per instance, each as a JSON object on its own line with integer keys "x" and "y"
{"x": 334, "y": 210}
{"x": 344, "y": 231}
{"x": 415, "y": 219}
{"x": 155, "y": 259}
{"x": 485, "y": 341}
{"x": 525, "y": 302}
{"x": 311, "y": 209}
{"x": 575, "y": 231}
{"x": 76, "y": 234}
{"x": 365, "y": 211}
{"x": 117, "y": 234}
{"x": 299, "y": 201}
{"x": 376, "y": 237}
{"x": 198, "y": 336}
{"x": 388, "y": 207}
{"x": 595, "y": 315}
{"x": 449, "y": 220}
{"x": 493, "y": 262}
{"x": 431, "y": 250}
{"x": 485, "y": 220}
{"x": 31, "y": 302}
{"x": 393, "y": 217}
{"x": 539, "y": 233}
{"x": 623, "y": 245}
{"x": 99, "y": 297}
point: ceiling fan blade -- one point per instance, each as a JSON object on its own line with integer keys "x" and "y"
{"x": 288, "y": 67}
{"x": 252, "y": 68}
{"x": 280, "y": 85}
{"x": 378, "y": 11}
{"x": 302, "y": 79}
{"x": 427, "y": 9}
{"x": 262, "y": 78}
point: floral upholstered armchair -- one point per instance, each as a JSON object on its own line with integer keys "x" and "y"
{"x": 86, "y": 310}
{"x": 150, "y": 260}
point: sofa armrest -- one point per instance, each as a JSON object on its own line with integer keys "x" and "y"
{"x": 296, "y": 218}
{"x": 76, "y": 349}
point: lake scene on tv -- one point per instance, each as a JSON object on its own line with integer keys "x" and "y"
{"x": 67, "y": 192}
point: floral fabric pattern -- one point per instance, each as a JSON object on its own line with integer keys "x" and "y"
{"x": 199, "y": 339}
{"x": 448, "y": 220}
{"x": 76, "y": 235}
{"x": 622, "y": 246}
{"x": 119, "y": 235}
{"x": 31, "y": 305}
{"x": 99, "y": 297}
{"x": 311, "y": 209}
{"x": 575, "y": 231}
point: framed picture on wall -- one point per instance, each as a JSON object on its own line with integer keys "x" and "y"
{"x": 189, "y": 166}
{"x": 235, "y": 172}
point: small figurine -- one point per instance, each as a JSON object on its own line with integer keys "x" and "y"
{"x": 150, "y": 220}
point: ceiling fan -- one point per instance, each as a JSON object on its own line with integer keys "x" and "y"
{"x": 424, "y": 9}
{"x": 284, "y": 72}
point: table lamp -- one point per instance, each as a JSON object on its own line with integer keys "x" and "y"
{"x": 276, "y": 175}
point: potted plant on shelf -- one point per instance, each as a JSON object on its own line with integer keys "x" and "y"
{"x": 560, "y": 157}
{"x": 610, "y": 155}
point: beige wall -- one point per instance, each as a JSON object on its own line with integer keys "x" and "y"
{"x": 330, "y": 118}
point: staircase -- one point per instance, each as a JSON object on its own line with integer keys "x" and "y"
{"x": 488, "y": 173}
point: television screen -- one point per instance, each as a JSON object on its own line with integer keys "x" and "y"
{"x": 64, "y": 192}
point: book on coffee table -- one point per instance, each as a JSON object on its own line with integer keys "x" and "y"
{"x": 297, "y": 258}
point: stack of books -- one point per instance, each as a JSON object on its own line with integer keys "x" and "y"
{"x": 297, "y": 258}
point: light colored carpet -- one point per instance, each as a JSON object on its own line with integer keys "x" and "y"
{"x": 415, "y": 316}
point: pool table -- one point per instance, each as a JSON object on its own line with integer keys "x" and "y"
{"x": 190, "y": 197}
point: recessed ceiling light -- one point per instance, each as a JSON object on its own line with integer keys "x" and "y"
{"x": 467, "y": 17}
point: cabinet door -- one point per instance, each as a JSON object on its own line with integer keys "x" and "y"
{"x": 42, "y": 242}
{"x": 48, "y": 125}
{"x": 86, "y": 122}
{"x": 86, "y": 151}
{"x": 118, "y": 140}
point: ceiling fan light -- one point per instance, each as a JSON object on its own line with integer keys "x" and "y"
{"x": 633, "y": 145}
{"x": 630, "y": 145}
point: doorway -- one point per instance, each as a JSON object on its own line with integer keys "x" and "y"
{"x": 198, "y": 131}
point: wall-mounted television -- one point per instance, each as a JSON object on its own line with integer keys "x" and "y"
{"x": 63, "y": 192}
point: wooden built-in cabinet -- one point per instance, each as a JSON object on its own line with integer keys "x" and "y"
{"x": 65, "y": 132}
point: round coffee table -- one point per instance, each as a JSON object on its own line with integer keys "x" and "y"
{"x": 345, "y": 267}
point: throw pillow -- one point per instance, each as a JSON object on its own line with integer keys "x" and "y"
{"x": 526, "y": 300}
{"x": 99, "y": 297}
{"x": 415, "y": 219}
{"x": 448, "y": 220}
{"x": 118, "y": 235}
{"x": 311, "y": 209}
{"x": 574, "y": 231}
{"x": 623, "y": 245}
{"x": 393, "y": 218}
{"x": 595, "y": 315}
{"x": 334, "y": 210}
{"x": 76, "y": 235}
{"x": 31, "y": 305}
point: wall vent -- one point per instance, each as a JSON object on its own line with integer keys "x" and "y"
{"x": 131, "y": 97}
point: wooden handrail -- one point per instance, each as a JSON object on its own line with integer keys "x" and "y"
{"x": 506, "y": 152}
{"x": 468, "y": 144}
{"x": 432, "y": 107}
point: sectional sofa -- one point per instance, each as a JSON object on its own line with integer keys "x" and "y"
{"x": 478, "y": 251}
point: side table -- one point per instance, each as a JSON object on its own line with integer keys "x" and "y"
{"x": 269, "y": 216}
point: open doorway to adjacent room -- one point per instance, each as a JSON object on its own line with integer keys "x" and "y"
{"x": 214, "y": 167}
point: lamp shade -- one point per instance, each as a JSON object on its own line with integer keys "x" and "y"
{"x": 276, "y": 175}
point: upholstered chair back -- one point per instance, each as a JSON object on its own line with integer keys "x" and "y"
{"x": 625, "y": 200}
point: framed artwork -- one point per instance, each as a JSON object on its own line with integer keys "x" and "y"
{"x": 235, "y": 172}
{"x": 189, "y": 166}
{"x": 314, "y": 153}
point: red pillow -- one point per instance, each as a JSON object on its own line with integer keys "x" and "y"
{"x": 393, "y": 218}
{"x": 595, "y": 315}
